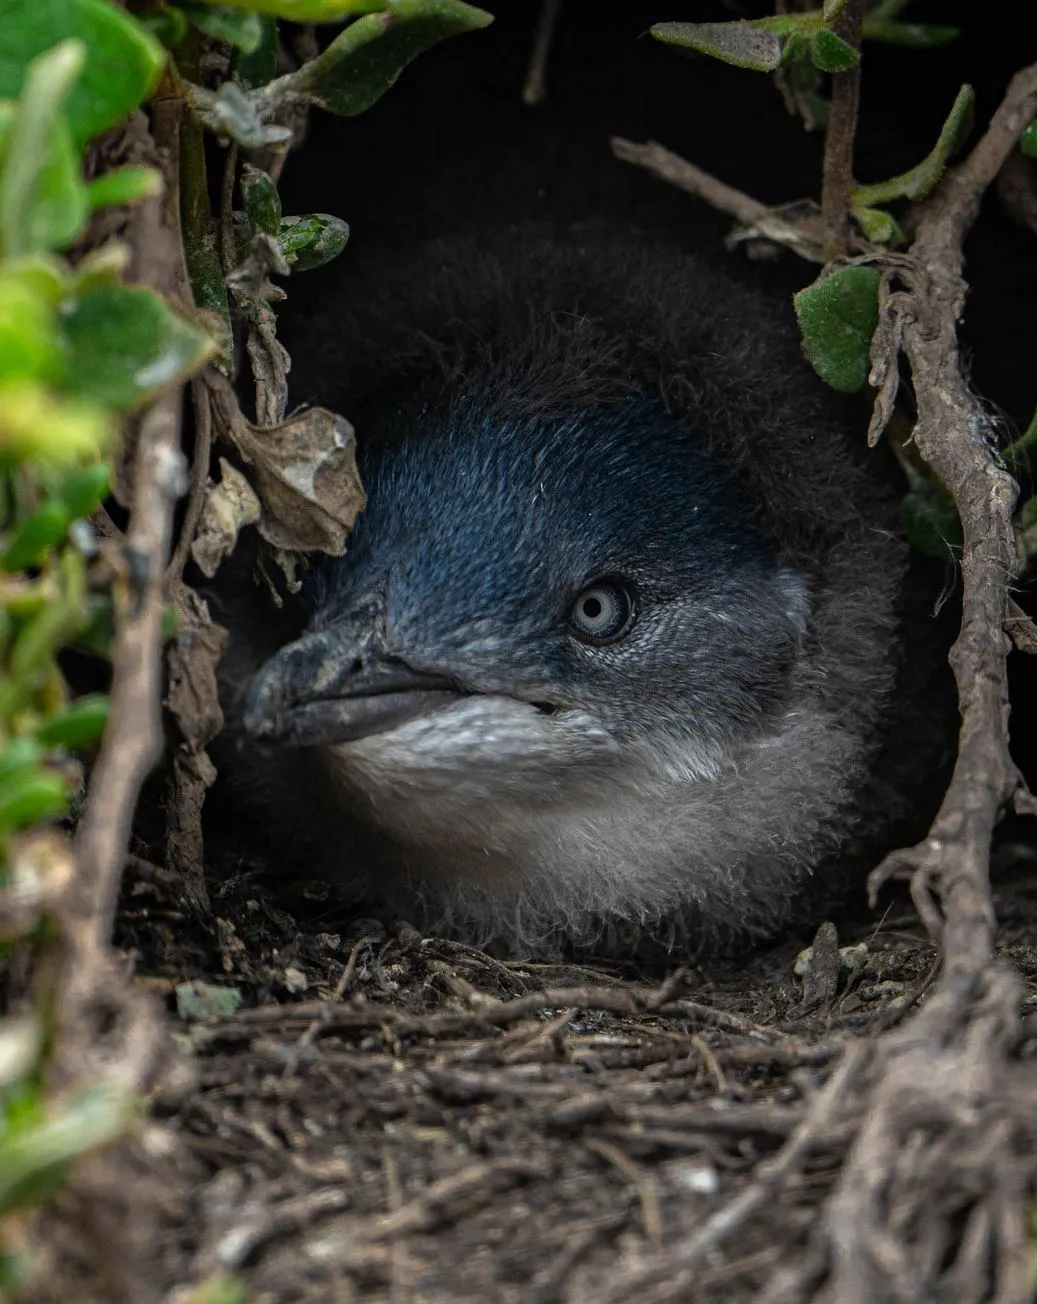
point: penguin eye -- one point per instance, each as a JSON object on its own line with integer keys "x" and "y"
{"x": 602, "y": 612}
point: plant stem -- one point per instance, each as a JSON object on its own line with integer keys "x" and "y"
{"x": 837, "y": 178}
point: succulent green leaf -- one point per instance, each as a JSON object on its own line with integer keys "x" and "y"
{"x": 312, "y": 240}
{"x": 742, "y": 43}
{"x": 80, "y": 725}
{"x": 312, "y": 11}
{"x": 26, "y": 798}
{"x": 84, "y": 488}
{"x": 260, "y": 65}
{"x": 20, "y": 754}
{"x": 123, "y": 60}
{"x": 831, "y": 9}
{"x": 262, "y": 202}
{"x": 912, "y": 36}
{"x": 35, "y": 536}
{"x": 238, "y": 27}
{"x": 121, "y": 186}
{"x": 837, "y": 317}
{"x": 42, "y": 198}
{"x": 801, "y": 25}
{"x": 831, "y": 53}
{"x": 28, "y": 343}
{"x": 40, "y": 426}
{"x": 125, "y": 344}
{"x": 918, "y": 181}
{"x": 168, "y": 26}
{"x": 878, "y": 226}
{"x": 360, "y": 65}
{"x": 35, "y": 1155}
{"x": 1028, "y": 140}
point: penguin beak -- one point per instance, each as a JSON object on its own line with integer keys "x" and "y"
{"x": 328, "y": 688}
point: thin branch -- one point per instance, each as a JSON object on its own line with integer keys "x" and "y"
{"x": 534, "y": 91}
{"x": 952, "y": 423}
{"x": 199, "y": 479}
{"x": 837, "y": 173}
{"x": 133, "y": 738}
{"x": 801, "y": 236}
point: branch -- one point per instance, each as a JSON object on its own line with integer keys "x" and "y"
{"x": 837, "y": 173}
{"x": 133, "y": 738}
{"x": 801, "y": 236}
{"x": 952, "y": 434}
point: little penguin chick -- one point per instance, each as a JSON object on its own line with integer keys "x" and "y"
{"x": 612, "y": 654}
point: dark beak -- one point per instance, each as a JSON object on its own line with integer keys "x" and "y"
{"x": 326, "y": 688}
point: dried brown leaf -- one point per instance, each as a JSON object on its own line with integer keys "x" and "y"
{"x": 192, "y": 695}
{"x": 307, "y": 479}
{"x": 229, "y": 506}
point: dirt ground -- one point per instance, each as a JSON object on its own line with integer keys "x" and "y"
{"x": 389, "y": 1117}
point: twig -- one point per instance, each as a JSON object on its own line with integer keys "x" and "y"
{"x": 133, "y": 738}
{"x": 651, "y": 1215}
{"x": 534, "y": 90}
{"x": 199, "y": 479}
{"x": 677, "y": 171}
{"x": 768, "y": 1178}
{"x": 802, "y": 236}
{"x": 837, "y": 171}
{"x": 228, "y": 244}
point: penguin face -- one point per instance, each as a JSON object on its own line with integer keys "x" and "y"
{"x": 612, "y": 645}
{"x": 585, "y": 591}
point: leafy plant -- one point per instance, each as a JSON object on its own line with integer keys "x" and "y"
{"x": 80, "y": 350}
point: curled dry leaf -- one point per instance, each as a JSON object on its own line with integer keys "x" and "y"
{"x": 193, "y": 696}
{"x": 306, "y": 477}
{"x": 229, "y": 506}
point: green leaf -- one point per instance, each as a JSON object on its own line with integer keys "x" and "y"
{"x": 124, "y": 345}
{"x": 80, "y": 725}
{"x": 360, "y": 65}
{"x": 36, "y": 536}
{"x": 20, "y": 754}
{"x": 39, "y": 426}
{"x": 831, "y": 53}
{"x": 122, "y": 186}
{"x": 744, "y": 44}
{"x": 35, "y": 1155}
{"x": 312, "y": 11}
{"x": 123, "y": 61}
{"x": 837, "y": 317}
{"x": 28, "y": 330}
{"x": 168, "y": 26}
{"x": 262, "y": 202}
{"x": 831, "y": 9}
{"x": 912, "y": 36}
{"x": 83, "y": 489}
{"x": 26, "y": 798}
{"x": 918, "y": 181}
{"x": 878, "y": 225}
{"x": 237, "y": 27}
{"x": 259, "y": 66}
{"x": 312, "y": 240}
{"x": 1028, "y": 140}
{"x": 42, "y": 197}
